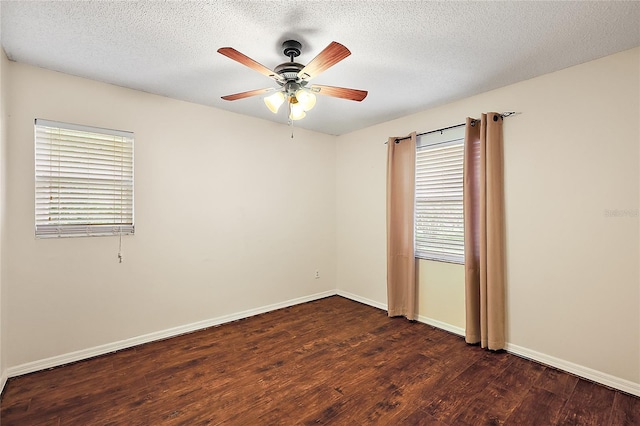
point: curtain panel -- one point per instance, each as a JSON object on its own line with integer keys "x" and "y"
{"x": 484, "y": 232}
{"x": 401, "y": 263}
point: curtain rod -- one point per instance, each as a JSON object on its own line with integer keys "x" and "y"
{"x": 503, "y": 115}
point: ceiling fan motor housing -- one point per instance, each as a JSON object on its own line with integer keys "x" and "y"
{"x": 289, "y": 70}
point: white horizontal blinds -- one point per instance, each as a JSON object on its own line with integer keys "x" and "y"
{"x": 84, "y": 180}
{"x": 439, "y": 223}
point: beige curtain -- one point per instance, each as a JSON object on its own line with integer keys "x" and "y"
{"x": 401, "y": 267}
{"x": 484, "y": 232}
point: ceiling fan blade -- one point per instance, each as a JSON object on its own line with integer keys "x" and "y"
{"x": 339, "y": 92}
{"x": 248, "y": 94}
{"x": 331, "y": 55}
{"x": 232, "y": 53}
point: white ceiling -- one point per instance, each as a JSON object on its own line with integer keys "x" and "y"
{"x": 409, "y": 55}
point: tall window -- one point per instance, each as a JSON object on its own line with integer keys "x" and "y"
{"x": 84, "y": 180}
{"x": 439, "y": 224}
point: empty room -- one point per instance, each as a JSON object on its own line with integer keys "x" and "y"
{"x": 319, "y": 212}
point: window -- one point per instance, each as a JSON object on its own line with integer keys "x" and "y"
{"x": 439, "y": 224}
{"x": 84, "y": 180}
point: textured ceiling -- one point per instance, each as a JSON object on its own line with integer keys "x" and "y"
{"x": 409, "y": 55}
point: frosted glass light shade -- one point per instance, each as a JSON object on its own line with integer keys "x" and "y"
{"x": 306, "y": 99}
{"x": 297, "y": 112}
{"x": 274, "y": 101}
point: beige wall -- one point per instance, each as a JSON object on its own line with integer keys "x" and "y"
{"x": 570, "y": 157}
{"x": 3, "y": 167}
{"x": 231, "y": 215}
{"x": 441, "y": 294}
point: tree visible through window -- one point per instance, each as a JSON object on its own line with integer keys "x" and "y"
{"x": 84, "y": 180}
{"x": 439, "y": 224}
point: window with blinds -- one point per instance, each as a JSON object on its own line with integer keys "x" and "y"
{"x": 439, "y": 225}
{"x": 84, "y": 180}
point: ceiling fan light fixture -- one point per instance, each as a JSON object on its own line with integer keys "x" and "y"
{"x": 306, "y": 99}
{"x": 274, "y": 101}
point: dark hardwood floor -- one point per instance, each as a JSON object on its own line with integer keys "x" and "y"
{"x": 331, "y": 361}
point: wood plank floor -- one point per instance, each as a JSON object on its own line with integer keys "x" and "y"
{"x": 331, "y": 361}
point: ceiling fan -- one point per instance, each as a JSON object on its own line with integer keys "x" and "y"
{"x": 293, "y": 79}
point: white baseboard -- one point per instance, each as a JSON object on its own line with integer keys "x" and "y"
{"x": 67, "y": 358}
{"x": 579, "y": 370}
{"x": 361, "y": 299}
{"x": 421, "y": 318}
{"x": 442, "y": 325}
{"x": 3, "y": 380}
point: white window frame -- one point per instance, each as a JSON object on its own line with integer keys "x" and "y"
{"x": 83, "y": 180}
{"x": 439, "y": 221}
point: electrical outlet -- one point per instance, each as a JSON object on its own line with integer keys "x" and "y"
{"x": 317, "y": 273}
